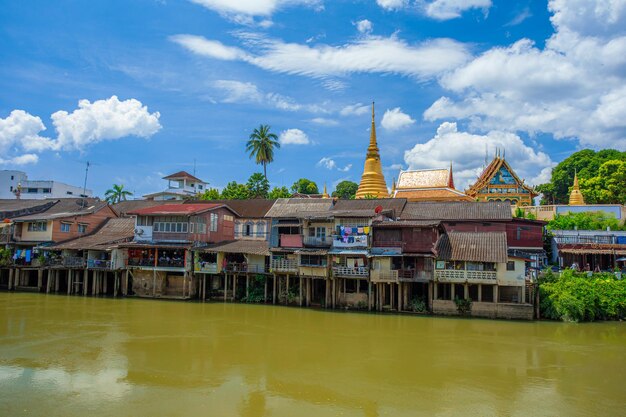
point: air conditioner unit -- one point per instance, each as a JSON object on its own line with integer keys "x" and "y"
{"x": 139, "y": 232}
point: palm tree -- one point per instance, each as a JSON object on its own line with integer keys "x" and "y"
{"x": 116, "y": 194}
{"x": 261, "y": 146}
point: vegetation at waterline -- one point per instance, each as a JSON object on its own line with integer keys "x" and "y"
{"x": 256, "y": 290}
{"x": 601, "y": 175}
{"x": 585, "y": 221}
{"x": 575, "y": 296}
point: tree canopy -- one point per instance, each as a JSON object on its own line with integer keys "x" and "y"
{"x": 594, "y": 180}
{"x": 258, "y": 186}
{"x": 304, "y": 186}
{"x": 261, "y": 146}
{"x": 346, "y": 189}
{"x": 235, "y": 191}
{"x": 279, "y": 192}
{"x": 116, "y": 194}
{"x": 596, "y": 220}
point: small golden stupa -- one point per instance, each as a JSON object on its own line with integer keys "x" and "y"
{"x": 576, "y": 197}
{"x": 372, "y": 181}
{"x": 325, "y": 193}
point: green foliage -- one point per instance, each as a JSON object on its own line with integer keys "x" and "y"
{"x": 608, "y": 186}
{"x": 5, "y": 257}
{"x": 361, "y": 305}
{"x": 519, "y": 213}
{"x": 235, "y": 191}
{"x": 210, "y": 194}
{"x": 304, "y": 186}
{"x": 418, "y": 305}
{"x": 595, "y": 220}
{"x": 256, "y": 290}
{"x": 573, "y": 296}
{"x": 116, "y": 194}
{"x": 258, "y": 186}
{"x": 279, "y": 192}
{"x": 261, "y": 146}
{"x": 587, "y": 164}
{"x": 346, "y": 189}
{"x": 463, "y": 305}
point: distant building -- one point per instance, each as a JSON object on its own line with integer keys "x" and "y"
{"x": 498, "y": 182}
{"x": 12, "y": 181}
{"x": 428, "y": 185}
{"x": 179, "y": 186}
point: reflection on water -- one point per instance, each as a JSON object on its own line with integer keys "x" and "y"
{"x": 73, "y": 356}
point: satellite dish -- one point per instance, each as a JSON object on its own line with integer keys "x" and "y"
{"x": 378, "y": 209}
{"x": 139, "y": 232}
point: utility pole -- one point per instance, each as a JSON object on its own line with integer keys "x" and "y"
{"x": 82, "y": 204}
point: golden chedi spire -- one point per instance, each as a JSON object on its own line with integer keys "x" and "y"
{"x": 372, "y": 181}
{"x": 325, "y": 193}
{"x": 576, "y": 197}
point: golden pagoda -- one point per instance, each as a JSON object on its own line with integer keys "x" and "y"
{"x": 576, "y": 197}
{"x": 325, "y": 193}
{"x": 372, "y": 181}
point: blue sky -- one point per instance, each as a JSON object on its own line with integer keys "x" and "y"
{"x": 163, "y": 83}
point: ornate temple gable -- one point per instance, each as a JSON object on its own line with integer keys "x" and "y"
{"x": 499, "y": 182}
{"x": 428, "y": 185}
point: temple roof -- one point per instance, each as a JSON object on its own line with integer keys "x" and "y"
{"x": 490, "y": 171}
{"x": 576, "y": 197}
{"x": 425, "y": 178}
{"x": 433, "y": 194}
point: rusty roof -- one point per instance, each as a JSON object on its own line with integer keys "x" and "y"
{"x": 473, "y": 247}
{"x": 250, "y": 247}
{"x": 178, "y": 209}
{"x": 182, "y": 174}
{"x": 125, "y": 207}
{"x": 366, "y": 207}
{"x": 66, "y": 207}
{"x": 406, "y": 223}
{"x": 114, "y": 231}
{"x": 457, "y": 211}
{"x": 300, "y": 207}
{"x": 10, "y": 208}
{"x": 252, "y": 208}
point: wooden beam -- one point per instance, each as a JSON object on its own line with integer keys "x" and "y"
{"x": 300, "y": 291}
{"x": 39, "y": 279}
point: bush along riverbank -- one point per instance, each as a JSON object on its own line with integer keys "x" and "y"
{"x": 576, "y": 296}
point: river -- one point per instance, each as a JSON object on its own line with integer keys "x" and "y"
{"x": 77, "y": 356}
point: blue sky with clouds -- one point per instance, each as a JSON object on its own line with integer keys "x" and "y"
{"x": 143, "y": 88}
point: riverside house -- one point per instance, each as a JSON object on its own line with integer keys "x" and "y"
{"x": 160, "y": 257}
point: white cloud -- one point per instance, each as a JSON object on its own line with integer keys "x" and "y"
{"x": 243, "y": 11}
{"x": 327, "y": 163}
{"x": 246, "y": 92}
{"x": 451, "y": 9}
{"x": 346, "y": 168}
{"x": 520, "y": 17}
{"x": 324, "y": 121}
{"x": 294, "y": 137}
{"x": 571, "y": 88}
{"x": 364, "y": 26}
{"x": 101, "y": 120}
{"x": 392, "y": 4}
{"x": 395, "y": 119}
{"x": 354, "y": 110}
{"x": 365, "y": 55}
{"x": 467, "y": 153}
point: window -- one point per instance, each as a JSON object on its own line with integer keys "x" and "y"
{"x": 11, "y": 188}
{"x": 37, "y": 226}
{"x": 228, "y": 218}
{"x": 199, "y": 187}
{"x": 82, "y": 228}
{"x": 31, "y": 190}
{"x": 65, "y": 227}
{"x": 166, "y": 224}
{"x": 519, "y": 233}
{"x": 312, "y": 260}
{"x": 11, "y": 177}
{"x": 48, "y": 190}
{"x": 69, "y": 192}
{"x": 247, "y": 229}
{"x": 510, "y": 266}
{"x": 213, "y": 222}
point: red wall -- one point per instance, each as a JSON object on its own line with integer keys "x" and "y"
{"x": 530, "y": 233}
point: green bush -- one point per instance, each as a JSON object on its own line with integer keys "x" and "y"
{"x": 5, "y": 257}
{"x": 256, "y": 290}
{"x": 463, "y": 305}
{"x": 418, "y": 305}
{"x": 574, "y": 296}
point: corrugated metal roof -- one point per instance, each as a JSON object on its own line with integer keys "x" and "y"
{"x": 407, "y": 223}
{"x": 251, "y": 208}
{"x": 67, "y": 207}
{"x": 366, "y": 207}
{"x": 300, "y": 207}
{"x": 250, "y": 247}
{"x": 457, "y": 211}
{"x": 114, "y": 231}
{"x": 125, "y": 207}
{"x": 184, "y": 209}
{"x": 472, "y": 246}
{"x": 14, "y": 208}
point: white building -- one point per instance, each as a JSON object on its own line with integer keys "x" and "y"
{"x": 179, "y": 185}
{"x": 11, "y": 180}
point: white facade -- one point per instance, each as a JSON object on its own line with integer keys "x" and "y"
{"x": 36, "y": 189}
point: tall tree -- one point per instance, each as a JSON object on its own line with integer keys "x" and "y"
{"x": 258, "y": 186}
{"x": 235, "y": 191}
{"x": 304, "y": 186}
{"x": 209, "y": 194}
{"x": 279, "y": 192}
{"x": 346, "y": 189}
{"x": 116, "y": 194}
{"x": 261, "y": 146}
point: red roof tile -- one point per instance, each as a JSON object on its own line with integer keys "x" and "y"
{"x": 182, "y": 209}
{"x": 182, "y": 174}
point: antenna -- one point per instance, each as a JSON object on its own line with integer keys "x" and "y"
{"x": 194, "y": 167}
{"x": 82, "y": 204}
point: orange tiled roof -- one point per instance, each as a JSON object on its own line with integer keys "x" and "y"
{"x": 433, "y": 194}
{"x": 426, "y": 178}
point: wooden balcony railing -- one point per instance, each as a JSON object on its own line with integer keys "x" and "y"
{"x": 73, "y": 261}
{"x": 284, "y": 265}
{"x": 243, "y": 267}
{"x": 206, "y": 267}
{"x": 346, "y": 272}
{"x": 389, "y": 275}
{"x": 452, "y": 275}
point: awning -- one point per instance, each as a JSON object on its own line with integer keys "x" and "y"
{"x": 347, "y": 252}
{"x": 311, "y": 252}
{"x": 593, "y": 251}
{"x": 293, "y": 224}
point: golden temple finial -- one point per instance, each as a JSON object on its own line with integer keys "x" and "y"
{"x": 393, "y": 187}
{"x": 372, "y": 181}
{"x": 325, "y": 193}
{"x": 576, "y": 197}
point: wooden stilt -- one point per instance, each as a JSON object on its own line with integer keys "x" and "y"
{"x": 274, "y": 289}
{"x": 56, "y": 281}
{"x": 287, "y": 291}
{"x": 39, "y": 279}
{"x": 247, "y": 286}
{"x": 86, "y": 282}
{"x": 234, "y": 286}
{"x": 334, "y": 294}
{"x": 369, "y": 296}
{"x": 308, "y": 291}
{"x": 94, "y": 282}
{"x": 125, "y": 283}
{"x": 203, "y": 287}
{"x": 69, "y": 281}
{"x": 265, "y": 290}
{"x": 300, "y": 291}
{"x": 11, "y": 275}
{"x": 225, "y": 285}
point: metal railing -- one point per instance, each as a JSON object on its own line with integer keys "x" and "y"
{"x": 317, "y": 241}
{"x": 98, "y": 264}
{"x": 344, "y": 271}
{"x": 357, "y": 241}
{"x": 585, "y": 239}
{"x": 74, "y": 261}
{"x": 286, "y": 265}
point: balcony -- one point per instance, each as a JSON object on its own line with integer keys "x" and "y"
{"x": 389, "y": 275}
{"x": 73, "y": 262}
{"x": 355, "y": 241}
{"x": 244, "y": 267}
{"x": 477, "y": 277}
{"x": 315, "y": 241}
{"x": 284, "y": 265}
{"x": 206, "y": 267}
{"x": 98, "y": 264}
{"x": 346, "y": 272}
{"x": 585, "y": 239}
{"x": 147, "y": 262}
{"x": 412, "y": 275}
{"x": 290, "y": 241}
